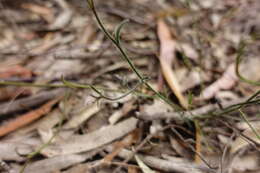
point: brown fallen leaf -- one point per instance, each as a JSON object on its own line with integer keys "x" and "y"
{"x": 132, "y": 170}
{"x": 44, "y": 12}
{"x": 7, "y": 93}
{"x": 127, "y": 141}
{"x": 15, "y": 70}
{"x": 26, "y": 118}
{"x": 167, "y": 48}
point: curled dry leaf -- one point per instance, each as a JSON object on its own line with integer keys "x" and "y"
{"x": 249, "y": 69}
{"x": 167, "y": 48}
{"x": 227, "y": 81}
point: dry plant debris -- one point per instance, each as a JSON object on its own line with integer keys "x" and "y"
{"x": 60, "y": 77}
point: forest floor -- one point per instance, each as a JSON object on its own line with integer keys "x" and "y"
{"x": 184, "y": 99}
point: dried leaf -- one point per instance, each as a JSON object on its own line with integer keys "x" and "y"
{"x": 116, "y": 116}
{"x": 29, "y": 102}
{"x": 93, "y": 140}
{"x": 9, "y": 151}
{"x": 180, "y": 148}
{"x": 50, "y": 40}
{"x": 241, "y": 142}
{"x": 63, "y": 18}
{"x": 127, "y": 141}
{"x": 44, "y": 12}
{"x": 246, "y": 163}
{"x": 167, "y": 48}
{"x": 7, "y": 93}
{"x": 27, "y": 118}
{"x": 45, "y": 125}
{"x": 53, "y": 164}
{"x": 80, "y": 168}
{"x": 143, "y": 166}
{"x": 15, "y": 70}
{"x": 82, "y": 117}
{"x": 227, "y": 81}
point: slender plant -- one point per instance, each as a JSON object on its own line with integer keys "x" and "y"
{"x": 115, "y": 38}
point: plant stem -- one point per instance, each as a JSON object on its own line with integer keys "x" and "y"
{"x": 127, "y": 59}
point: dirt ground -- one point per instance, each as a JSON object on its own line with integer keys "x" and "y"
{"x": 176, "y": 90}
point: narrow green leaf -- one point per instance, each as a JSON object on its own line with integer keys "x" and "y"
{"x": 118, "y": 30}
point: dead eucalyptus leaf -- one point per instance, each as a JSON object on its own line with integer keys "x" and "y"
{"x": 143, "y": 166}
{"x": 93, "y": 140}
{"x": 167, "y": 49}
{"x": 241, "y": 142}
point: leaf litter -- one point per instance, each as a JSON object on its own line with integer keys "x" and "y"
{"x": 197, "y": 43}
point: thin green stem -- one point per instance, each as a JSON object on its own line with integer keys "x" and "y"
{"x": 232, "y": 108}
{"x": 127, "y": 59}
{"x": 70, "y": 85}
{"x": 43, "y": 146}
{"x": 244, "y": 117}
